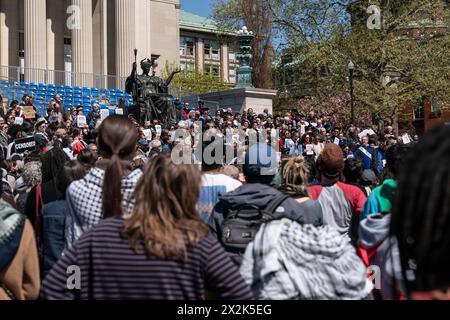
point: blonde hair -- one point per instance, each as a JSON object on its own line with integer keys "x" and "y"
{"x": 295, "y": 172}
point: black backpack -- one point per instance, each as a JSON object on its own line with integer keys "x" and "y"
{"x": 240, "y": 226}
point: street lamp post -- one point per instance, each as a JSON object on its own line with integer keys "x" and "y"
{"x": 351, "y": 67}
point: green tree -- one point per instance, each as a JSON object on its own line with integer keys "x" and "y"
{"x": 401, "y": 63}
{"x": 193, "y": 82}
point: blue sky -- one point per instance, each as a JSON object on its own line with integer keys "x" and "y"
{"x": 200, "y": 7}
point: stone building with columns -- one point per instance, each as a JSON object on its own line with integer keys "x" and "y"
{"x": 85, "y": 42}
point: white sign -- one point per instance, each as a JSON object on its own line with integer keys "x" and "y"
{"x": 148, "y": 134}
{"x": 158, "y": 129}
{"x": 303, "y": 129}
{"x": 367, "y": 132}
{"x": 119, "y": 111}
{"x": 104, "y": 113}
{"x": 18, "y": 120}
{"x": 81, "y": 122}
{"x": 336, "y": 141}
{"x": 406, "y": 139}
{"x": 172, "y": 135}
{"x": 309, "y": 149}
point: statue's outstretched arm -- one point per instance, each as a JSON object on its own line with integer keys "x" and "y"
{"x": 170, "y": 78}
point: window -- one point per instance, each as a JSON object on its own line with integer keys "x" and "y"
{"x": 22, "y": 55}
{"x": 436, "y": 107}
{"x": 207, "y": 69}
{"x": 212, "y": 50}
{"x": 187, "y": 47}
{"x": 216, "y": 71}
{"x": 419, "y": 112}
{"x": 232, "y": 75}
{"x": 231, "y": 55}
{"x": 188, "y": 66}
{"x": 212, "y": 70}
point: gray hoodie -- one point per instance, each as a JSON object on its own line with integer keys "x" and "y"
{"x": 374, "y": 235}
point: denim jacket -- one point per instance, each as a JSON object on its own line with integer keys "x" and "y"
{"x": 54, "y": 221}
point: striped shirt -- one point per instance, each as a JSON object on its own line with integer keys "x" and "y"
{"x": 110, "y": 269}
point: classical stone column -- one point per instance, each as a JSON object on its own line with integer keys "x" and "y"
{"x": 50, "y": 52}
{"x": 104, "y": 41}
{"x": 4, "y": 43}
{"x": 82, "y": 45}
{"x": 35, "y": 40}
{"x": 224, "y": 62}
{"x": 199, "y": 52}
{"x": 142, "y": 36}
{"x": 125, "y": 37}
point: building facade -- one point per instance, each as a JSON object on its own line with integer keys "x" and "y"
{"x": 205, "y": 48}
{"x": 92, "y": 39}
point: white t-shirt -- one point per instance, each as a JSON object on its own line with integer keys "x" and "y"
{"x": 212, "y": 186}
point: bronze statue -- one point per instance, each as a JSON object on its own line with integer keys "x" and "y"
{"x": 150, "y": 93}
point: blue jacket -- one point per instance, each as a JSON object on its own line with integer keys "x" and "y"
{"x": 369, "y": 162}
{"x": 54, "y": 215}
{"x": 381, "y": 155}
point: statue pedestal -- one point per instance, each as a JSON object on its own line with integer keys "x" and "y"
{"x": 238, "y": 99}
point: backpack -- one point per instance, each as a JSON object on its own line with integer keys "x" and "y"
{"x": 240, "y": 226}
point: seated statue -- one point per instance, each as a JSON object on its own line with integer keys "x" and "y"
{"x": 150, "y": 93}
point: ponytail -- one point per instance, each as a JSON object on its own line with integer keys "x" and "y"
{"x": 112, "y": 185}
{"x": 117, "y": 144}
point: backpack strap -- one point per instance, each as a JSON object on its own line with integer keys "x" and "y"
{"x": 275, "y": 203}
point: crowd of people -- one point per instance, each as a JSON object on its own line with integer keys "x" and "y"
{"x": 332, "y": 207}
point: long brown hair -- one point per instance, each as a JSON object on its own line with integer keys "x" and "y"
{"x": 165, "y": 221}
{"x": 117, "y": 144}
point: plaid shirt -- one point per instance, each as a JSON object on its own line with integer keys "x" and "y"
{"x": 84, "y": 199}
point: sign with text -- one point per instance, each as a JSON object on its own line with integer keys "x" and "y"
{"x": 104, "y": 113}
{"x": 81, "y": 122}
{"x": 28, "y": 112}
{"x": 158, "y": 129}
{"x": 18, "y": 121}
{"x": 148, "y": 134}
{"x": 119, "y": 111}
{"x": 25, "y": 144}
{"x": 309, "y": 149}
{"x": 406, "y": 139}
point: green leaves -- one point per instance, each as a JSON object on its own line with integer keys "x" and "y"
{"x": 395, "y": 66}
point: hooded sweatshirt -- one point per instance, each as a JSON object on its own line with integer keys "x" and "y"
{"x": 381, "y": 253}
{"x": 260, "y": 195}
{"x": 19, "y": 266}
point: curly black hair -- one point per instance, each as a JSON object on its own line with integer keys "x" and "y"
{"x": 421, "y": 215}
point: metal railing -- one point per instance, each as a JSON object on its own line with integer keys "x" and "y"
{"x": 58, "y": 77}
{"x": 67, "y": 78}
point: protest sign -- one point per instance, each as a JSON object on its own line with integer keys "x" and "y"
{"x": 119, "y": 111}
{"x": 309, "y": 149}
{"x": 25, "y": 144}
{"x": 148, "y": 134}
{"x": 336, "y": 141}
{"x": 81, "y": 122}
{"x": 104, "y": 113}
{"x": 406, "y": 139}
{"x": 18, "y": 121}
{"x": 158, "y": 129}
{"x": 302, "y": 129}
{"x": 28, "y": 112}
